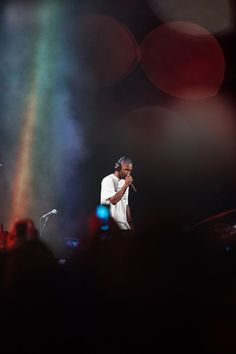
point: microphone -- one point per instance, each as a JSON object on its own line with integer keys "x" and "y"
{"x": 132, "y": 184}
{"x": 54, "y": 211}
{"x": 133, "y": 187}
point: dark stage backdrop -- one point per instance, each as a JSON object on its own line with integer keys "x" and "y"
{"x": 86, "y": 82}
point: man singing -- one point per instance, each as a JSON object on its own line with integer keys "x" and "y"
{"x": 115, "y": 192}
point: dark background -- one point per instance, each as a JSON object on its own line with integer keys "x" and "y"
{"x": 171, "y": 186}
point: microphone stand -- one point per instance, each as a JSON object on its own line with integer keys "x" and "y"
{"x": 42, "y": 224}
{"x": 43, "y": 220}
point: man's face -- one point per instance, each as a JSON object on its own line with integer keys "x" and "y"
{"x": 126, "y": 169}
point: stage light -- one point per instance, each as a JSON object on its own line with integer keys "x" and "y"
{"x": 103, "y": 212}
{"x": 71, "y": 242}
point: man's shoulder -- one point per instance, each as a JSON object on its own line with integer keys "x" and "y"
{"x": 108, "y": 178}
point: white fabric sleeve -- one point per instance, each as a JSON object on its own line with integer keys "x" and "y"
{"x": 107, "y": 190}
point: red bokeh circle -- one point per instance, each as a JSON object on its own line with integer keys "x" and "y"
{"x": 106, "y": 51}
{"x": 184, "y": 60}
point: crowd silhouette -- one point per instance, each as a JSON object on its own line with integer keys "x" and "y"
{"x": 159, "y": 289}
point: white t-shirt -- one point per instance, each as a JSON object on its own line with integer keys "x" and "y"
{"x": 109, "y": 187}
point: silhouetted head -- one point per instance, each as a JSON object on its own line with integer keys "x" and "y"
{"x": 24, "y": 230}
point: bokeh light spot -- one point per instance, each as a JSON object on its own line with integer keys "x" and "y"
{"x": 184, "y": 60}
{"x": 216, "y": 16}
{"x": 106, "y": 51}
